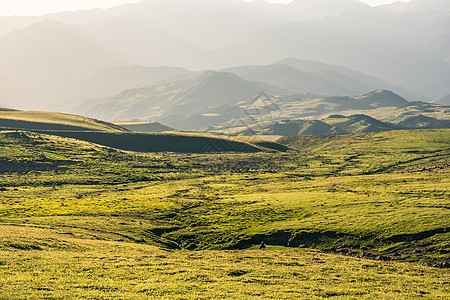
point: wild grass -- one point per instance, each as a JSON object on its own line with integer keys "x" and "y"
{"x": 78, "y": 220}
{"x": 75, "y": 268}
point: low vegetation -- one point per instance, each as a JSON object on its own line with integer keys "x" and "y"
{"x": 41, "y": 120}
{"x": 349, "y": 216}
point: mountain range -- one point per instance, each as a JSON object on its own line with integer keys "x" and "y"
{"x": 397, "y": 51}
{"x": 402, "y": 47}
{"x": 382, "y": 105}
{"x": 334, "y": 124}
{"x": 289, "y": 76}
{"x": 196, "y": 100}
{"x": 175, "y": 98}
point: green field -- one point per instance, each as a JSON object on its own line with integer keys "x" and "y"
{"x": 361, "y": 216}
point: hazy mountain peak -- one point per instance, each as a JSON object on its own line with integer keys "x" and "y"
{"x": 422, "y": 122}
{"x": 381, "y": 92}
{"x": 210, "y": 75}
{"x": 383, "y": 98}
{"x": 42, "y": 28}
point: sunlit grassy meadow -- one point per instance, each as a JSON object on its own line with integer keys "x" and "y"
{"x": 72, "y": 268}
{"x": 347, "y": 217}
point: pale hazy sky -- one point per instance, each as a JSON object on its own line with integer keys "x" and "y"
{"x": 40, "y": 7}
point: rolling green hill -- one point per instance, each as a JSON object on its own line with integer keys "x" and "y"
{"x": 383, "y": 142}
{"x": 40, "y": 120}
{"x": 161, "y": 142}
{"x": 111, "y": 135}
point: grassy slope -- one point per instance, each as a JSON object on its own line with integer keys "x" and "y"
{"x": 111, "y": 135}
{"x": 159, "y": 142}
{"x": 382, "y": 195}
{"x": 53, "y": 121}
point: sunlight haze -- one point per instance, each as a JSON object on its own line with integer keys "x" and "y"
{"x": 41, "y": 7}
{"x": 224, "y": 149}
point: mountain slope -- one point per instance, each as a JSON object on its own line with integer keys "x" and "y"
{"x": 374, "y": 111}
{"x": 359, "y": 79}
{"x": 280, "y": 128}
{"x": 424, "y": 122}
{"x": 177, "y": 98}
{"x": 357, "y": 124}
{"x": 381, "y": 98}
{"x": 389, "y": 51}
{"x": 335, "y": 124}
{"x": 301, "y": 76}
{"x": 111, "y": 82}
{"x": 296, "y": 81}
{"x": 407, "y": 50}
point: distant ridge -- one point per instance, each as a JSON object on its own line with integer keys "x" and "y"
{"x": 381, "y": 98}
{"x": 358, "y": 123}
{"x": 307, "y": 76}
{"x": 424, "y": 122}
{"x": 203, "y": 89}
{"x": 334, "y": 124}
{"x": 70, "y": 47}
{"x": 445, "y": 100}
{"x": 111, "y": 82}
{"x": 381, "y": 109}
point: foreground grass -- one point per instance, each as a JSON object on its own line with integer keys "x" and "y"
{"x": 92, "y": 269}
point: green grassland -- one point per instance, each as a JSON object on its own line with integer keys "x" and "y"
{"x": 41, "y": 120}
{"x": 80, "y": 268}
{"x": 346, "y": 217}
